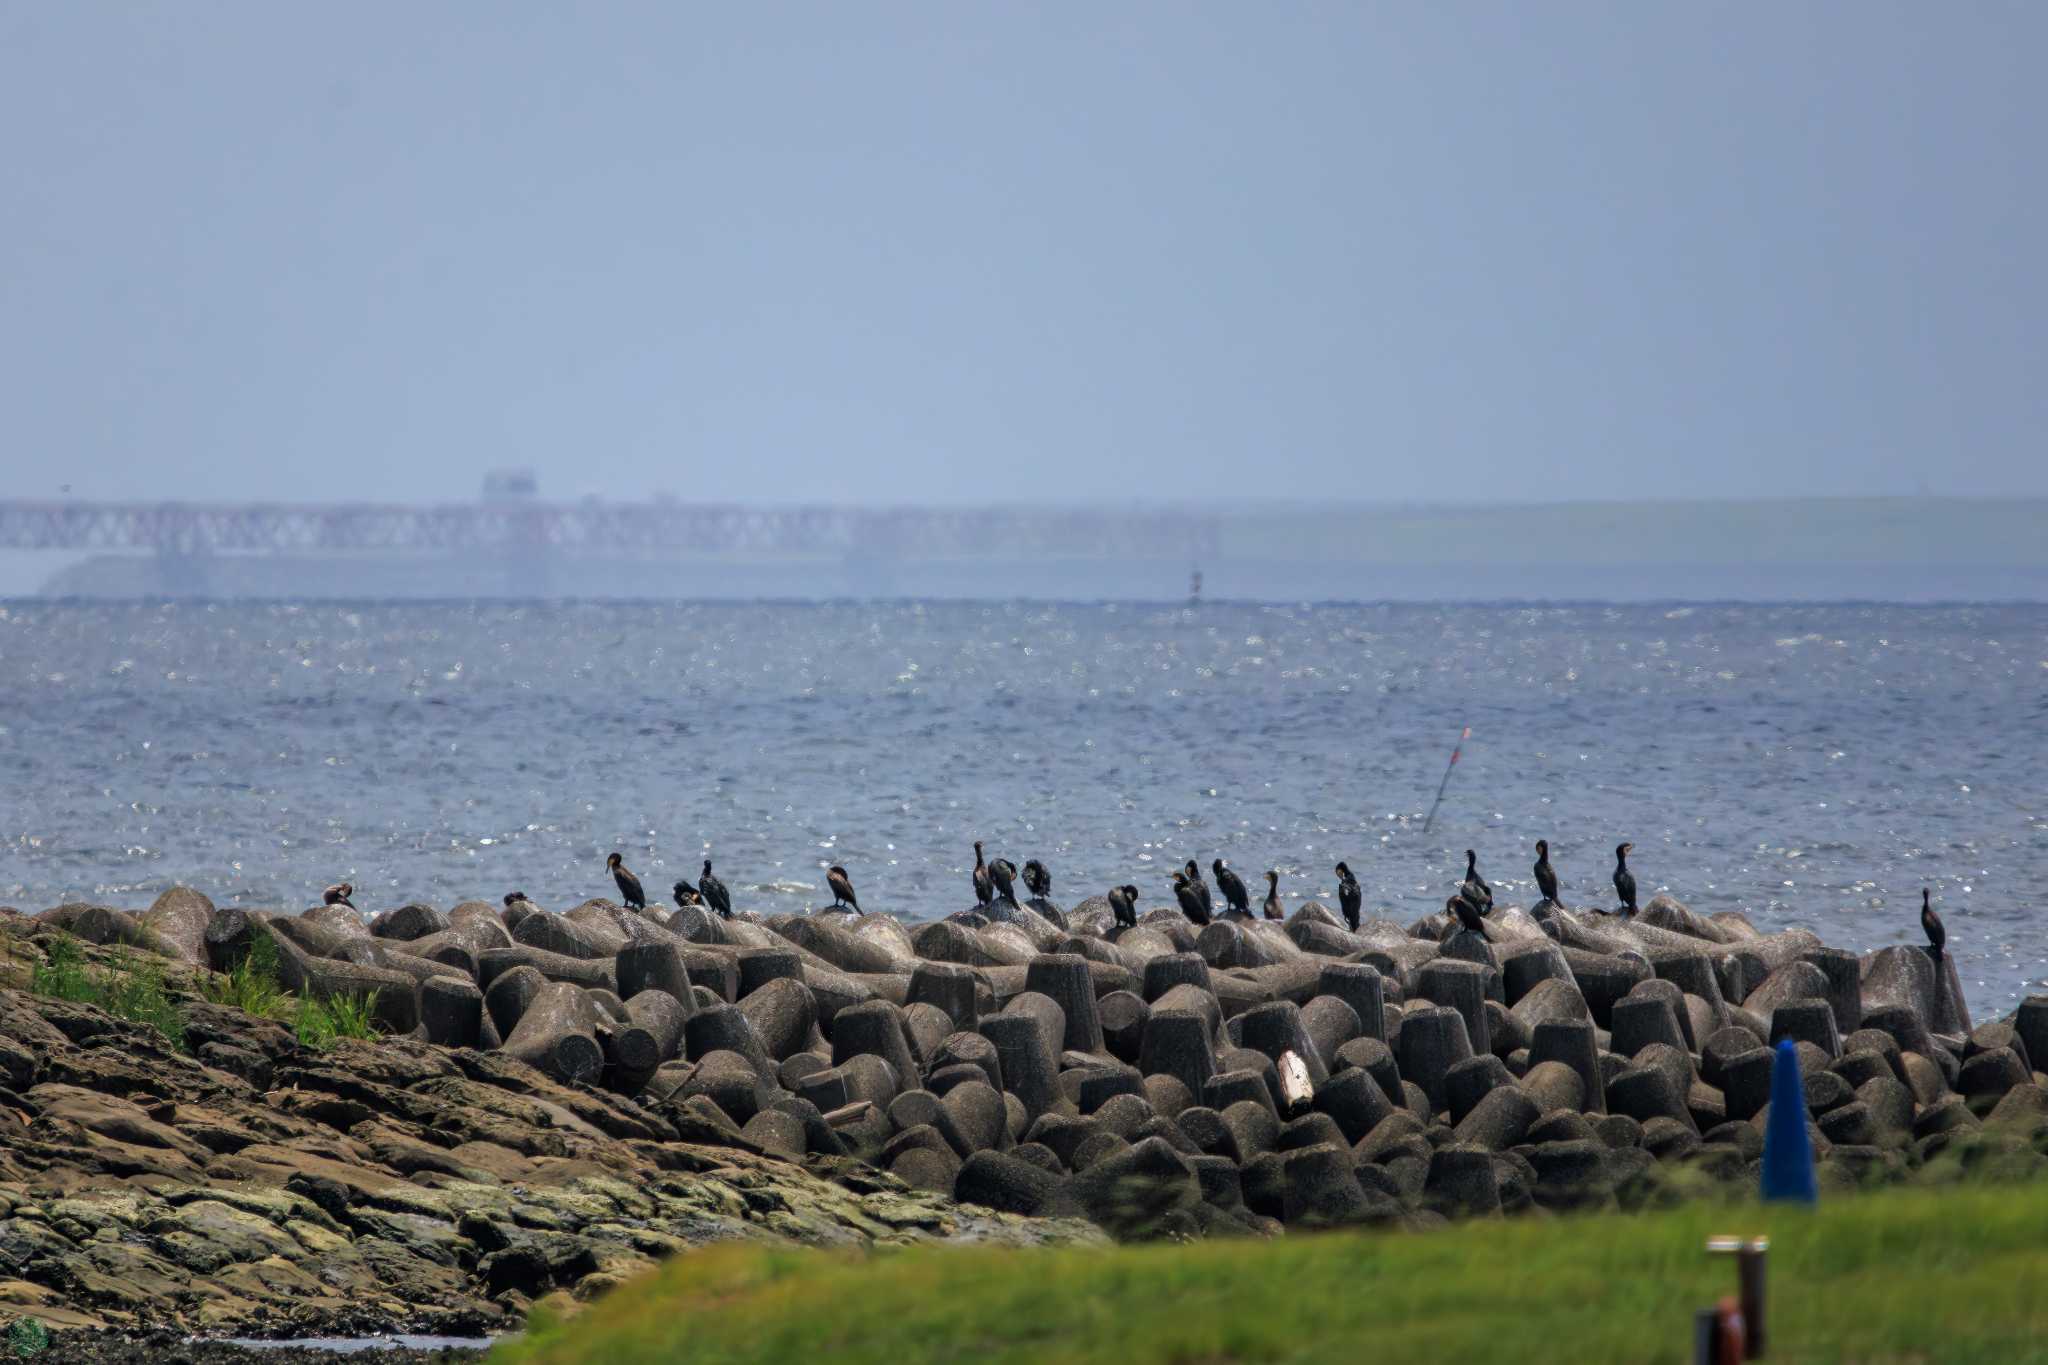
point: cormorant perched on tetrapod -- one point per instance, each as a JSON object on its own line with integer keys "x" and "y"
{"x": 1272, "y": 906}
{"x": 629, "y": 885}
{"x": 1003, "y": 873}
{"x": 842, "y": 888}
{"x": 1201, "y": 889}
{"x": 685, "y": 894}
{"x": 1232, "y": 887}
{"x": 1546, "y": 880}
{"x": 1190, "y": 901}
{"x": 1475, "y": 888}
{"x": 984, "y": 885}
{"x": 1624, "y": 880}
{"x": 1467, "y": 914}
{"x": 713, "y": 891}
{"x": 512, "y": 897}
{"x": 1123, "y": 903}
{"x": 1937, "y": 936}
{"x": 1036, "y": 879}
{"x": 1349, "y": 898}
{"x": 339, "y": 894}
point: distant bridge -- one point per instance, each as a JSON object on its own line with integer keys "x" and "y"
{"x": 624, "y": 530}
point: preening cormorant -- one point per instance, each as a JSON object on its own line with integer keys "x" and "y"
{"x": 1624, "y": 880}
{"x": 1937, "y": 936}
{"x": 1201, "y": 889}
{"x": 1232, "y": 887}
{"x": 842, "y": 889}
{"x": 1036, "y": 879}
{"x": 629, "y": 885}
{"x": 1190, "y": 902}
{"x": 1272, "y": 905}
{"x": 984, "y": 885}
{"x": 1475, "y": 888}
{"x": 338, "y": 894}
{"x": 685, "y": 894}
{"x": 513, "y": 896}
{"x": 713, "y": 891}
{"x": 1123, "y": 903}
{"x": 1003, "y": 873}
{"x": 1546, "y": 880}
{"x": 1349, "y": 898}
{"x": 1468, "y": 914}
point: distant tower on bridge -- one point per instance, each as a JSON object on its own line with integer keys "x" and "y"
{"x": 1195, "y": 588}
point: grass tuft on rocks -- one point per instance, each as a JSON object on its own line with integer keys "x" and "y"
{"x": 320, "y": 1024}
{"x": 1882, "y": 1278}
{"x": 134, "y": 990}
{"x": 253, "y": 986}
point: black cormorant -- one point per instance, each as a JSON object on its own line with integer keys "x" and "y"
{"x": 513, "y": 896}
{"x": 338, "y": 894}
{"x": 1349, "y": 898}
{"x": 1232, "y": 887}
{"x": 685, "y": 894}
{"x": 1190, "y": 901}
{"x": 713, "y": 891}
{"x": 1467, "y": 914}
{"x": 1200, "y": 887}
{"x": 1003, "y": 873}
{"x": 1036, "y": 879}
{"x": 1624, "y": 880}
{"x": 1546, "y": 880}
{"x": 1123, "y": 905}
{"x": 984, "y": 885}
{"x": 1272, "y": 905}
{"x": 1475, "y": 888}
{"x": 1937, "y": 937}
{"x": 629, "y": 885}
{"x": 842, "y": 889}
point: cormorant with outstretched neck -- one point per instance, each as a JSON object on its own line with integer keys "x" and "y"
{"x": 1123, "y": 903}
{"x": 629, "y": 885}
{"x": 1349, "y": 898}
{"x": 1200, "y": 888}
{"x": 1003, "y": 873}
{"x": 339, "y": 894}
{"x": 713, "y": 891}
{"x": 1036, "y": 879}
{"x": 1624, "y": 880}
{"x": 685, "y": 894}
{"x": 1232, "y": 887}
{"x": 984, "y": 885}
{"x": 1546, "y": 880}
{"x": 1467, "y": 914}
{"x": 1272, "y": 905}
{"x": 1475, "y": 888}
{"x": 842, "y": 889}
{"x": 1937, "y": 936}
{"x": 1190, "y": 903}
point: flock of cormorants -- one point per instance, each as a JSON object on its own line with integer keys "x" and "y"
{"x": 996, "y": 880}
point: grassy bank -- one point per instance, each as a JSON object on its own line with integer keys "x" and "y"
{"x": 1951, "y": 1274}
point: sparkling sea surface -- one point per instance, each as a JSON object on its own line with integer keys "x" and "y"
{"x": 1811, "y": 765}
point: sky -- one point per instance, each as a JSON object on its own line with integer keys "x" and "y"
{"x": 972, "y": 253}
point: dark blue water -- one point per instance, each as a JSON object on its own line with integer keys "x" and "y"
{"x": 1809, "y": 765}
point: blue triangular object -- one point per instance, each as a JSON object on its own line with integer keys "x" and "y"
{"x": 1788, "y": 1154}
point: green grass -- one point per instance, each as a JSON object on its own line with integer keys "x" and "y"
{"x": 253, "y": 986}
{"x": 1952, "y": 1275}
{"x": 319, "y": 1024}
{"x": 134, "y": 990}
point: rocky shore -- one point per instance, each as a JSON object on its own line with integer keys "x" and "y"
{"x": 561, "y": 1098}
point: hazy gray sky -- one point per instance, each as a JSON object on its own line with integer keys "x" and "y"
{"x": 965, "y": 252}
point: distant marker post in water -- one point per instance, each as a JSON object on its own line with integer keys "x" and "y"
{"x": 1456, "y": 749}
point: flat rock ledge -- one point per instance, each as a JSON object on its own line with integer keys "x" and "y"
{"x": 374, "y": 1187}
